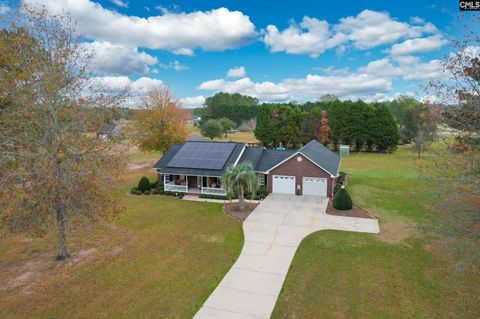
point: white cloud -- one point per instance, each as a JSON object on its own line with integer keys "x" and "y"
{"x": 181, "y": 33}
{"x": 372, "y": 28}
{"x": 116, "y": 59}
{"x": 4, "y": 8}
{"x": 418, "y": 45}
{"x": 308, "y": 38}
{"x": 405, "y": 67}
{"x": 366, "y": 30}
{"x": 309, "y": 88}
{"x": 238, "y": 72}
{"x": 120, "y": 3}
{"x": 417, "y": 20}
{"x": 175, "y": 65}
{"x": 137, "y": 89}
{"x": 192, "y": 101}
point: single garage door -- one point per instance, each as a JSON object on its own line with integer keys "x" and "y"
{"x": 283, "y": 184}
{"x": 315, "y": 186}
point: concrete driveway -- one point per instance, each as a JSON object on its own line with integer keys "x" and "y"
{"x": 272, "y": 234}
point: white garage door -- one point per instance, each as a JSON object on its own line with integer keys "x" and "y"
{"x": 283, "y": 184}
{"x": 315, "y": 186}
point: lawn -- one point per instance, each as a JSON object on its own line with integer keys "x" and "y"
{"x": 161, "y": 258}
{"x": 396, "y": 274}
{"x": 240, "y": 137}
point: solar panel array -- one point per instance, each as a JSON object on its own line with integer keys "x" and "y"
{"x": 202, "y": 155}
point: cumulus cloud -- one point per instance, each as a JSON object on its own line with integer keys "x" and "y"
{"x": 309, "y": 37}
{"x": 192, "y": 101}
{"x": 117, "y": 59}
{"x": 372, "y": 82}
{"x": 310, "y": 87}
{"x": 181, "y": 33}
{"x": 418, "y": 45}
{"x": 4, "y": 8}
{"x": 366, "y": 30}
{"x": 238, "y": 72}
{"x": 405, "y": 67}
{"x": 120, "y": 3}
{"x": 175, "y": 65}
{"x": 137, "y": 89}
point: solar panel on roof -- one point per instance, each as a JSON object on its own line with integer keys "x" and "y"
{"x": 202, "y": 155}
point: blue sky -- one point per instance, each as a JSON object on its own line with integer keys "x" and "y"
{"x": 275, "y": 50}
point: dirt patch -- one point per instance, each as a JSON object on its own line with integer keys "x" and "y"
{"x": 354, "y": 212}
{"x": 396, "y": 232}
{"x": 233, "y": 210}
{"x": 138, "y": 166}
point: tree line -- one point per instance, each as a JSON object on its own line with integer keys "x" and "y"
{"x": 369, "y": 127}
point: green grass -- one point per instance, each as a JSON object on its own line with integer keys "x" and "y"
{"x": 240, "y": 137}
{"x": 396, "y": 274}
{"x": 161, "y": 258}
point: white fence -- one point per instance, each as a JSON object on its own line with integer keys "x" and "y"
{"x": 213, "y": 191}
{"x": 171, "y": 187}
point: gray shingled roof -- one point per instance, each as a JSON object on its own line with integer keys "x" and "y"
{"x": 162, "y": 163}
{"x": 252, "y": 155}
{"x": 322, "y": 156}
{"x": 271, "y": 157}
{"x": 260, "y": 158}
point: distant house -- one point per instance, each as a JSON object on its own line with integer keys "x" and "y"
{"x": 196, "y": 167}
{"x": 109, "y": 131}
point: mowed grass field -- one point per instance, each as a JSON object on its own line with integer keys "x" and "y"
{"x": 240, "y": 137}
{"x": 161, "y": 258}
{"x": 397, "y": 274}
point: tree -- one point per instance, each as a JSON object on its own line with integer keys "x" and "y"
{"x": 144, "y": 184}
{"x": 227, "y": 125}
{"x": 233, "y": 106}
{"x": 266, "y": 131}
{"x": 54, "y": 175}
{"x": 324, "y": 129}
{"x": 160, "y": 123}
{"x": 239, "y": 180}
{"x": 420, "y": 126}
{"x": 455, "y": 166}
{"x": 383, "y": 129}
{"x": 342, "y": 200}
{"x": 212, "y": 129}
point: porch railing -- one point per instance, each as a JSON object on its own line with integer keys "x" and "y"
{"x": 213, "y": 191}
{"x": 171, "y": 187}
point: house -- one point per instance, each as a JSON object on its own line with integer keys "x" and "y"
{"x": 109, "y": 131}
{"x": 196, "y": 167}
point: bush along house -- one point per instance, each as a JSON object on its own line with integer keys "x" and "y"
{"x": 195, "y": 167}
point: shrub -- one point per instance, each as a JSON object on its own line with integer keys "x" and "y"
{"x": 342, "y": 200}
{"x": 154, "y": 191}
{"x": 180, "y": 195}
{"x": 261, "y": 193}
{"x": 137, "y": 192}
{"x": 146, "y": 192}
{"x": 133, "y": 190}
{"x": 206, "y": 196}
{"x": 144, "y": 184}
{"x": 153, "y": 184}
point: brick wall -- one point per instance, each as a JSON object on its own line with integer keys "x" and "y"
{"x": 300, "y": 169}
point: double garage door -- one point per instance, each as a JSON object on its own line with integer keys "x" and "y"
{"x": 310, "y": 185}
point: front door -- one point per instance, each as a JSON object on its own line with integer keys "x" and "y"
{"x": 192, "y": 182}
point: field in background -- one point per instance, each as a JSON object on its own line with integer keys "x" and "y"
{"x": 240, "y": 137}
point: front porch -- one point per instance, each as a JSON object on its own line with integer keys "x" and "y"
{"x": 208, "y": 185}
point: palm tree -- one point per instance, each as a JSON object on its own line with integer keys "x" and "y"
{"x": 239, "y": 180}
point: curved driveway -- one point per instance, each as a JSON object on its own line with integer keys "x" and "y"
{"x": 273, "y": 232}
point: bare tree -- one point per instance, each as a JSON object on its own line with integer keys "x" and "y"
{"x": 456, "y": 167}
{"x": 54, "y": 175}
